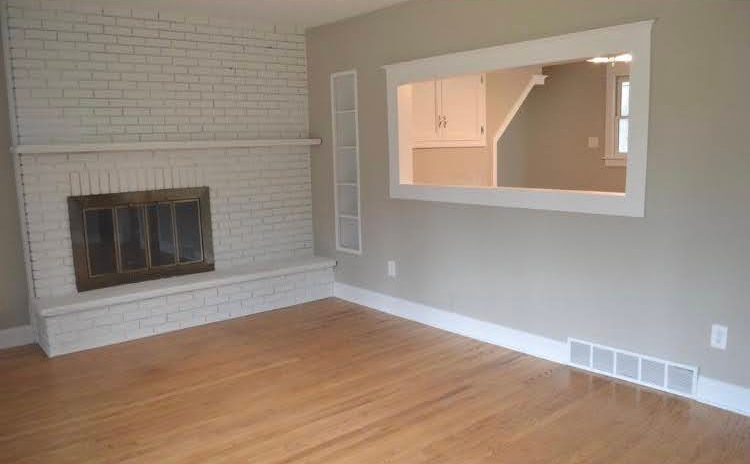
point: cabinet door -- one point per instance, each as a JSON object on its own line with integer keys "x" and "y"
{"x": 425, "y": 111}
{"x": 462, "y": 106}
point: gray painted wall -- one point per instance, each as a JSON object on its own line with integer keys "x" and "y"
{"x": 513, "y": 148}
{"x": 13, "y": 293}
{"x": 652, "y": 285}
{"x": 553, "y": 126}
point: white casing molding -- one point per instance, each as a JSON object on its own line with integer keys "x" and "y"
{"x": 709, "y": 391}
{"x": 17, "y": 336}
{"x": 634, "y": 38}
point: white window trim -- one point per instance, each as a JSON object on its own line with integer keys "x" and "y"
{"x": 634, "y": 38}
{"x": 612, "y": 157}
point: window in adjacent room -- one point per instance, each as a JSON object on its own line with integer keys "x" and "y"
{"x": 618, "y": 114}
{"x": 623, "y": 93}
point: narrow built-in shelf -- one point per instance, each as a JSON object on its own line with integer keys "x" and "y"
{"x": 346, "y": 172}
{"x": 151, "y": 146}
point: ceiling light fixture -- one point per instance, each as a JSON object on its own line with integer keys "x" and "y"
{"x": 624, "y": 58}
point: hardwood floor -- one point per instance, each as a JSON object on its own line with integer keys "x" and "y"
{"x": 332, "y": 382}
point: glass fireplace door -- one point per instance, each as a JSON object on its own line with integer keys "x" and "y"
{"x": 135, "y": 236}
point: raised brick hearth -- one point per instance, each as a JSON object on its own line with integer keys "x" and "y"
{"x": 118, "y": 314}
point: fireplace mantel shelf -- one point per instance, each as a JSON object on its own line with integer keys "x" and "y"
{"x": 151, "y": 146}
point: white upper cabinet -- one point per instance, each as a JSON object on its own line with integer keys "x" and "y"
{"x": 462, "y": 107}
{"x": 425, "y": 112}
{"x": 449, "y": 112}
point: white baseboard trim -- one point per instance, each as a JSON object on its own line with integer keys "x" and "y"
{"x": 535, "y": 345}
{"x": 17, "y": 336}
{"x": 709, "y": 391}
{"x": 723, "y": 395}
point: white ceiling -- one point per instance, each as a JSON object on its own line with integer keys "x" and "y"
{"x": 306, "y": 13}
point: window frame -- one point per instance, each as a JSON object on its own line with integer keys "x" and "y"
{"x": 634, "y": 38}
{"x": 612, "y": 155}
{"x": 620, "y": 85}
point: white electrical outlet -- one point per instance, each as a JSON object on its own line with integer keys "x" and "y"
{"x": 391, "y": 268}
{"x": 719, "y": 335}
{"x": 593, "y": 142}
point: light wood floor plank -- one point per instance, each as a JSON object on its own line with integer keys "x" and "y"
{"x": 332, "y": 382}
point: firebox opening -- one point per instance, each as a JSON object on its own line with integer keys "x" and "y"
{"x": 136, "y": 236}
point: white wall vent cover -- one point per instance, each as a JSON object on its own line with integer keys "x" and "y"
{"x": 627, "y": 366}
{"x": 633, "y": 367}
{"x": 603, "y": 360}
{"x": 580, "y": 353}
{"x": 653, "y": 372}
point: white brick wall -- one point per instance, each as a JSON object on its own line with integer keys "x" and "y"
{"x": 260, "y": 201}
{"x": 114, "y": 324}
{"x": 84, "y": 73}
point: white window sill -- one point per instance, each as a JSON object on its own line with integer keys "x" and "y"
{"x": 612, "y": 162}
{"x": 577, "y": 201}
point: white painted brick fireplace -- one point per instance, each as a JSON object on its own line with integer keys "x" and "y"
{"x": 260, "y": 201}
{"x": 158, "y": 86}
